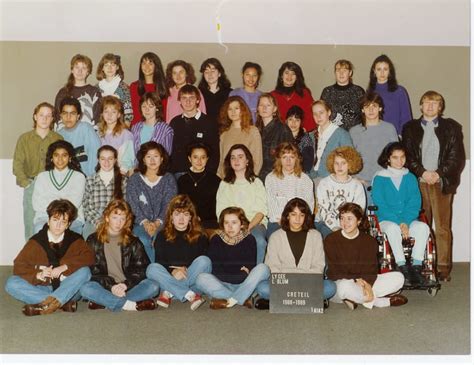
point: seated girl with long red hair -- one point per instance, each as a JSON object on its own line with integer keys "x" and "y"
{"x": 118, "y": 275}
{"x": 180, "y": 250}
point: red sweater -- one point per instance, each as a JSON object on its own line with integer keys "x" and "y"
{"x": 137, "y": 115}
{"x": 285, "y": 102}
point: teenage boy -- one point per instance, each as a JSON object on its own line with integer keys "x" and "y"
{"x": 344, "y": 96}
{"x": 80, "y": 134}
{"x": 29, "y": 158}
{"x": 435, "y": 154}
{"x": 192, "y": 126}
{"x": 52, "y": 266}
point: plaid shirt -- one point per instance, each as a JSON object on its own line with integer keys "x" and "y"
{"x": 97, "y": 196}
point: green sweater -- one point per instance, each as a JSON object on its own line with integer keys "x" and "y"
{"x": 30, "y": 155}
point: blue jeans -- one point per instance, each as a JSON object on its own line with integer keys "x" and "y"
{"x": 147, "y": 240}
{"x": 213, "y": 287}
{"x": 96, "y": 293}
{"x": 323, "y": 229}
{"x": 259, "y": 232}
{"x": 179, "y": 288}
{"x": 76, "y": 226}
{"x": 88, "y": 229}
{"x": 272, "y": 227}
{"x": 28, "y": 293}
{"x": 329, "y": 289}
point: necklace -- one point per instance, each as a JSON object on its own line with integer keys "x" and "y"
{"x": 198, "y": 181}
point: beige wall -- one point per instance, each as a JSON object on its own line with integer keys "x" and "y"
{"x": 32, "y": 72}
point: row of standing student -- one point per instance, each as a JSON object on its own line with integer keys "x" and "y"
{"x": 215, "y": 88}
{"x": 55, "y": 267}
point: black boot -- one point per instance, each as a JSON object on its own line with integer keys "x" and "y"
{"x": 407, "y": 273}
{"x": 418, "y": 278}
{"x": 263, "y": 304}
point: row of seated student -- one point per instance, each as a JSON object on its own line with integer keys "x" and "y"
{"x": 439, "y": 178}
{"x": 215, "y": 88}
{"x": 56, "y": 267}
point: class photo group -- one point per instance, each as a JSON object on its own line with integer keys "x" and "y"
{"x": 138, "y": 195}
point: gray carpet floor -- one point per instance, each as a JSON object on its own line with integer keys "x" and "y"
{"x": 425, "y": 326}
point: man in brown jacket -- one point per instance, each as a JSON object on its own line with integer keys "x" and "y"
{"x": 52, "y": 266}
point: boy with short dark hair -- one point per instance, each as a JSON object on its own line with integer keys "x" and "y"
{"x": 52, "y": 266}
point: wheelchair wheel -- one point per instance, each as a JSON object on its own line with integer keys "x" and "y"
{"x": 432, "y": 291}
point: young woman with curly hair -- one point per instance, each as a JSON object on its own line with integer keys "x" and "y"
{"x": 338, "y": 188}
{"x": 180, "y": 248}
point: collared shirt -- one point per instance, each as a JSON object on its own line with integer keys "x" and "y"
{"x": 30, "y": 155}
{"x": 96, "y": 197}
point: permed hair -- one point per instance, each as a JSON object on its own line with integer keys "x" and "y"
{"x": 348, "y": 153}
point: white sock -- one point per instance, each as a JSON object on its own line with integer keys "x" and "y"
{"x": 130, "y": 306}
{"x": 190, "y": 295}
{"x": 167, "y": 294}
{"x": 231, "y": 302}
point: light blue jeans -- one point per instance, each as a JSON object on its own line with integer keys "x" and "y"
{"x": 322, "y": 228}
{"x": 96, "y": 293}
{"x": 88, "y": 229}
{"x": 418, "y": 230}
{"x": 147, "y": 240}
{"x": 329, "y": 289}
{"x": 259, "y": 232}
{"x": 213, "y": 287}
{"x": 272, "y": 227}
{"x": 28, "y": 211}
{"x": 28, "y": 293}
{"x": 179, "y": 288}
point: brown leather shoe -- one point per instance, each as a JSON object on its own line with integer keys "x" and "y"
{"x": 146, "y": 305}
{"x": 47, "y": 306}
{"x": 70, "y": 306}
{"x": 444, "y": 276}
{"x": 218, "y": 304}
{"x": 248, "y": 303}
{"x": 32, "y": 309}
{"x": 94, "y": 306}
{"x": 398, "y": 300}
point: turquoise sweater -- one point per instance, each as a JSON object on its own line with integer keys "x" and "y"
{"x": 396, "y": 205}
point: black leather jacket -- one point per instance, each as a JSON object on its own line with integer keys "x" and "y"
{"x": 452, "y": 156}
{"x": 134, "y": 263}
